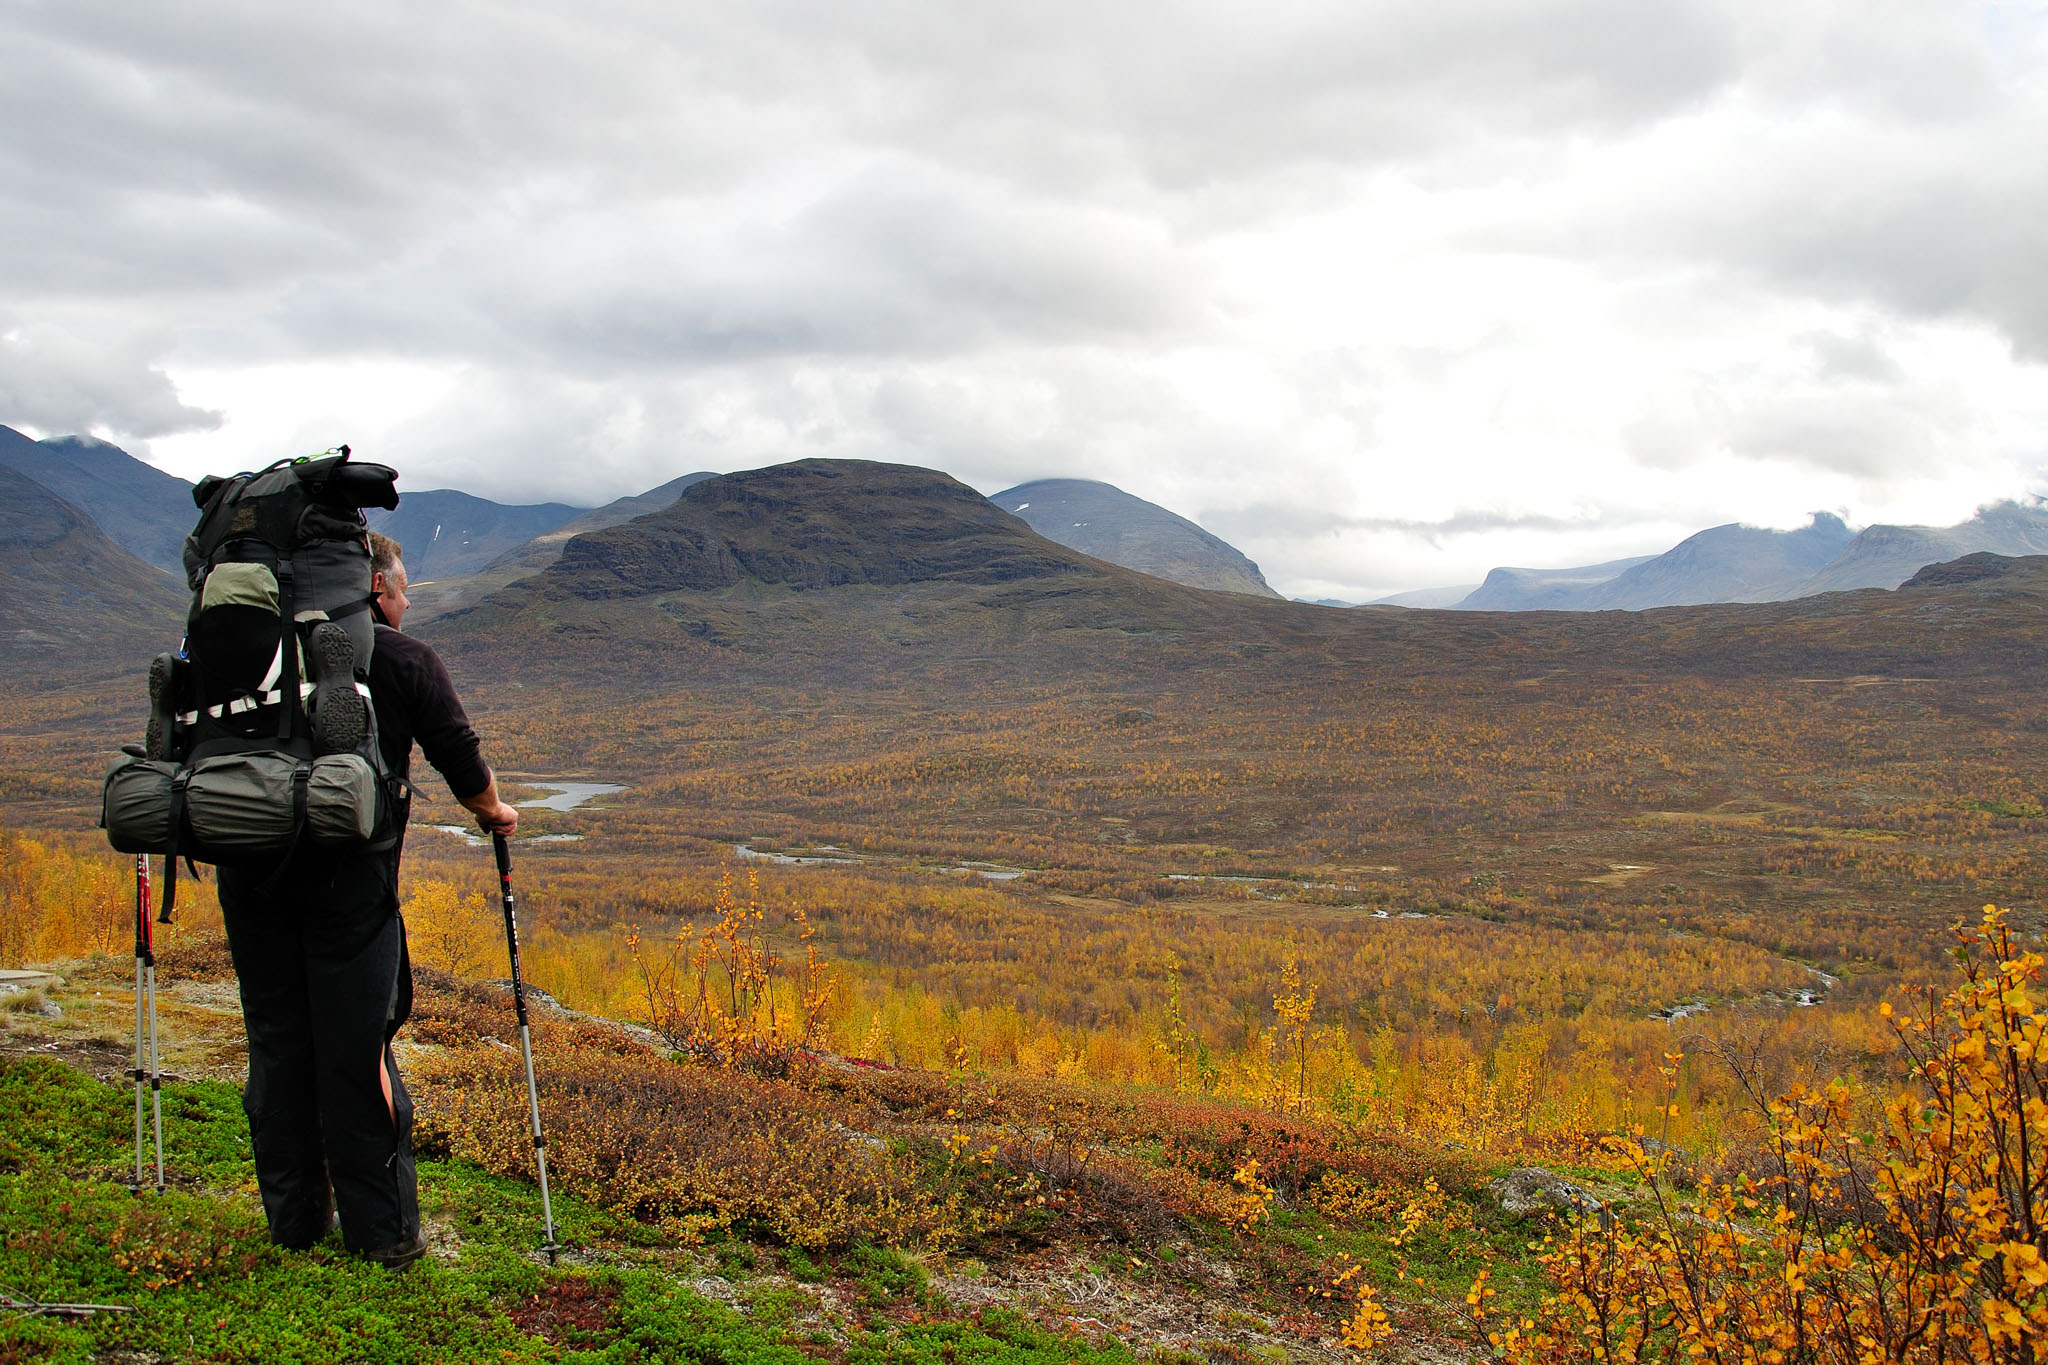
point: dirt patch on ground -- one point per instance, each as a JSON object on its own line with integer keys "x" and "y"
{"x": 1192, "y": 1305}
{"x": 96, "y": 1057}
{"x": 199, "y": 1026}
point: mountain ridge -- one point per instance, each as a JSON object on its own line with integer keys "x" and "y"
{"x": 136, "y": 505}
{"x": 810, "y": 523}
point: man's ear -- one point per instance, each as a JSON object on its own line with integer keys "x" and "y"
{"x": 377, "y": 584}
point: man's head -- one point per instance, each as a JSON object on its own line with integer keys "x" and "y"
{"x": 387, "y": 579}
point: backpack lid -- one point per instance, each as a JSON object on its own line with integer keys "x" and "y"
{"x": 329, "y": 478}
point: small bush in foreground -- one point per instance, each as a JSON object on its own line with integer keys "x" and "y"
{"x": 1948, "y": 1264}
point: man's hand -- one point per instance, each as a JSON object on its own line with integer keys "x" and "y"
{"x": 493, "y": 816}
{"x": 501, "y": 819}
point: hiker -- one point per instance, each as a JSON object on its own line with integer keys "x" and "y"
{"x": 326, "y": 982}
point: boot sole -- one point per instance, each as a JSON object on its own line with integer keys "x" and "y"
{"x": 337, "y": 715}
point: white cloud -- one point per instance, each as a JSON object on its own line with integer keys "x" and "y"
{"x": 55, "y": 380}
{"x": 1385, "y": 294}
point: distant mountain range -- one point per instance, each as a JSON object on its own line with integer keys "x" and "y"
{"x": 446, "y": 534}
{"x": 886, "y": 580}
{"x": 459, "y": 548}
{"x": 1737, "y": 563}
{"x": 837, "y": 569}
{"x": 1104, "y": 521}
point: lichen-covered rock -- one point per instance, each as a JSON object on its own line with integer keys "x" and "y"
{"x": 1533, "y": 1190}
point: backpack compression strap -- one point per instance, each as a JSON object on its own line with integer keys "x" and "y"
{"x": 287, "y": 634}
{"x": 179, "y": 782}
{"x": 302, "y": 779}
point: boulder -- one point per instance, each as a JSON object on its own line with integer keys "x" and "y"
{"x": 1534, "y": 1190}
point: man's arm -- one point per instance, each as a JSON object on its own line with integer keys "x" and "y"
{"x": 443, "y": 730}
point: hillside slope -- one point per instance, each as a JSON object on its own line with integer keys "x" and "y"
{"x": 1102, "y": 520}
{"x": 139, "y": 507}
{"x": 74, "y": 600}
{"x": 621, "y": 510}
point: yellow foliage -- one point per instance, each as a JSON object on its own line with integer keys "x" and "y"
{"x": 1255, "y": 1205}
{"x": 722, "y": 995}
{"x": 448, "y": 931}
{"x": 65, "y": 898}
{"x": 1368, "y": 1327}
{"x": 1919, "y": 1243}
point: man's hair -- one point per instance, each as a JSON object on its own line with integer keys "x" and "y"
{"x": 384, "y": 553}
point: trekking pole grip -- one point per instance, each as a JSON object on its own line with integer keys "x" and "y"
{"x": 504, "y": 855}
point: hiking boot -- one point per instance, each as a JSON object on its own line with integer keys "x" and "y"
{"x": 337, "y": 714}
{"x": 156, "y": 740}
{"x": 398, "y": 1255}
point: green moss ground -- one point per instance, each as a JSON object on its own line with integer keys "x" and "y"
{"x": 205, "y": 1284}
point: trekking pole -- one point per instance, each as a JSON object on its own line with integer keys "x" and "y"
{"x": 540, "y": 1150}
{"x": 145, "y": 1007}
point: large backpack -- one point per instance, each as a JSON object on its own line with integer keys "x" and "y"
{"x": 261, "y": 731}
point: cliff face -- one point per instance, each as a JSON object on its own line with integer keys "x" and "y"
{"x": 811, "y": 524}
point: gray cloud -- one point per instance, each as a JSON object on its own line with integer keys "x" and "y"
{"x": 1925, "y": 232}
{"x": 300, "y": 139}
{"x": 896, "y": 260}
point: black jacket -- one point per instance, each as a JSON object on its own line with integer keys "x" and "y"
{"x": 415, "y": 700}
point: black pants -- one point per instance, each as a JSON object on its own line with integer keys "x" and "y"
{"x": 325, "y": 985}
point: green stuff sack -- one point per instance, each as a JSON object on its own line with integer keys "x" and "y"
{"x": 135, "y": 805}
{"x": 341, "y": 800}
{"x": 239, "y": 806}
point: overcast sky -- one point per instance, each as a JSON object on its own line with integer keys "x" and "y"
{"x": 1385, "y": 292}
